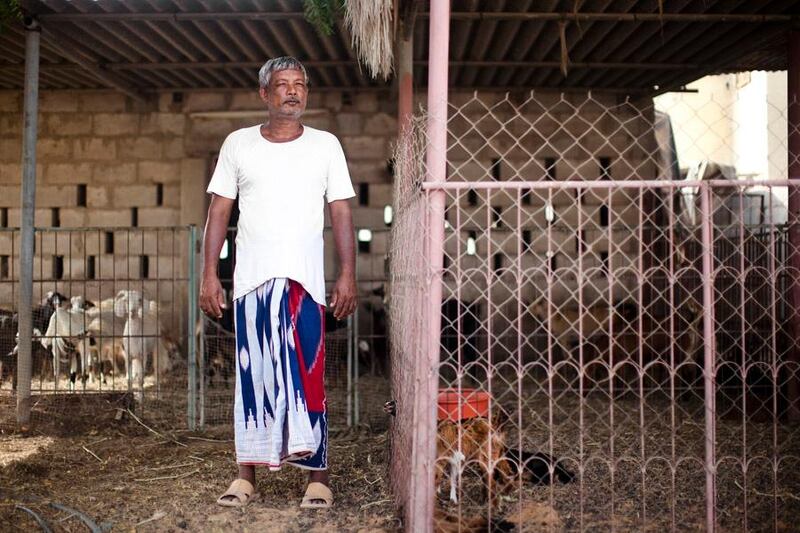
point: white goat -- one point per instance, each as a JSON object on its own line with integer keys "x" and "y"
{"x": 141, "y": 335}
{"x": 67, "y": 327}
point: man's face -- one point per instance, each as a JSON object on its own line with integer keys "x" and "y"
{"x": 286, "y": 94}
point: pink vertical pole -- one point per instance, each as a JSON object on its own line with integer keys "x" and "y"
{"x": 793, "y": 122}
{"x": 405, "y": 83}
{"x": 438, "y": 46}
{"x": 709, "y": 369}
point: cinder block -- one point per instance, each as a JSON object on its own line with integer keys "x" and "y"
{"x": 166, "y": 267}
{"x": 11, "y": 150}
{"x": 320, "y": 121}
{"x": 205, "y": 101}
{"x": 134, "y": 196}
{"x": 10, "y": 195}
{"x": 108, "y": 217}
{"x": 114, "y": 173}
{"x": 166, "y": 102}
{"x": 58, "y": 101}
{"x": 503, "y": 241}
{"x": 381, "y": 124}
{"x": 369, "y": 171}
{"x": 332, "y": 100}
{"x": 110, "y": 102}
{"x": 11, "y": 173}
{"x": 173, "y": 148}
{"x": 96, "y": 196}
{"x": 68, "y": 172}
{"x": 364, "y": 147}
{"x": 41, "y": 217}
{"x": 349, "y": 123}
{"x": 11, "y": 101}
{"x": 10, "y": 124}
{"x": 556, "y": 240}
{"x": 207, "y": 135}
{"x": 380, "y": 195}
{"x": 159, "y": 216}
{"x": 8, "y": 242}
{"x": 247, "y": 100}
{"x": 469, "y": 170}
{"x": 525, "y": 169}
{"x": 58, "y": 124}
{"x": 56, "y": 196}
{"x": 73, "y": 217}
{"x": 95, "y": 149}
{"x": 53, "y": 149}
{"x": 194, "y": 170}
{"x": 116, "y": 124}
{"x": 366, "y": 101}
{"x": 168, "y": 123}
{"x": 367, "y": 217}
{"x": 159, "y": 172}
{"x": 172, "y": 196}
{"x": 49, "y": 242}
{"x": 380, "y": 242}
{"x": 140, "y": 148}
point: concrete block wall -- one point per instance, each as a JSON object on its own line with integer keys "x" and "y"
{"x": 550, "y": 137}
{"x": 102, "y": 157}
{"x": 106, "y": 161}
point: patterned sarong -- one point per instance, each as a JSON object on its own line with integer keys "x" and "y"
{"x": 279, "y": 410}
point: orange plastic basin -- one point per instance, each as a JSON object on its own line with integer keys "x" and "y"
{"x": 473, "y": 404}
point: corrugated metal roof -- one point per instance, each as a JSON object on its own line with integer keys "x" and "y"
{"x": 503, "y": 44}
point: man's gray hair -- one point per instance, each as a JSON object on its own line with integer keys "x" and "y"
{"x": 279, "y": 63}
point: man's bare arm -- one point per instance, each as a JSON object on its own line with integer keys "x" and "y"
{"x": 212, "y": 297}
{"x": 344, "y": 297}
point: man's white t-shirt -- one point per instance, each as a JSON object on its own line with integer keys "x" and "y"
{"x": 281, "y": 188}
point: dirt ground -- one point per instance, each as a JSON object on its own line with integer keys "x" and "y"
{"x": 125, "y": 478}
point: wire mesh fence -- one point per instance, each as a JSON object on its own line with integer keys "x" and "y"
{"x": 617, "y": 346}
{"x": 111, "y": 325}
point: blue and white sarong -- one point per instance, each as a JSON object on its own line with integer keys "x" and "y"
{"x": 280, "y": 413}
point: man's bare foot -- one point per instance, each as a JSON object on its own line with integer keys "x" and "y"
{"x": 247, "y": 472}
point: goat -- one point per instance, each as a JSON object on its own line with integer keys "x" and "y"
{"x": 141, "y": 335}
{"x": 66, "y": 329}
{"x": 570, "y": 326}
{"x": 105, "y": 332}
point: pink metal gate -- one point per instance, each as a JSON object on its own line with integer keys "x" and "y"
{"x": 635, "y": 336}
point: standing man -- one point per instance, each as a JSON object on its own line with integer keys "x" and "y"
{"x": 281, "y": 171}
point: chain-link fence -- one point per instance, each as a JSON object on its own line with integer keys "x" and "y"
{"x": 624, "y": 329}
{"x": 110, "y": 326}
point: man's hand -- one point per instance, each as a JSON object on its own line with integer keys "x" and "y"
{"x": 344, "y": 297}
{"x": 212, "y": 297}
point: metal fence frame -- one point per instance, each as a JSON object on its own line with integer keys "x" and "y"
{"x": 711, "y": 262}
{"x": 105, "y": 277}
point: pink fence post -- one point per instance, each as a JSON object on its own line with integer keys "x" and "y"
{"x": 709, "y": 371}
{"x": 425, "y": 439}
{"x": 793, "y": 126}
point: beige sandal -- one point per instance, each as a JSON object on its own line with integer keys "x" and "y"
{"x": 317, "y": 491}
{"x": 239, "y": 494}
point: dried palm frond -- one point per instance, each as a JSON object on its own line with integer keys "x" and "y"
{"x": 370, "y": 25}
